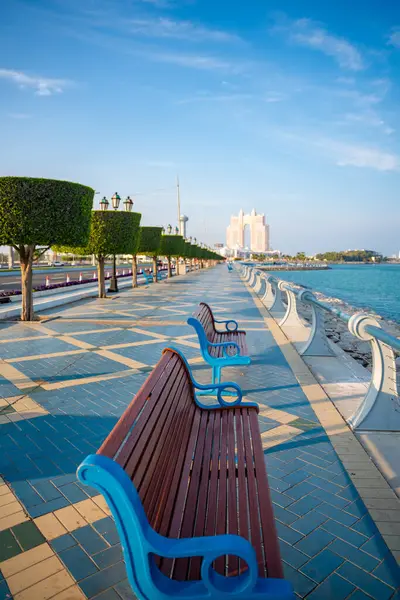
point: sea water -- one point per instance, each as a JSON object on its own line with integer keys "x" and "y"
{"x": 373, "y": 287}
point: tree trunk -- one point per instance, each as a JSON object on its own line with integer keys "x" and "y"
{"x": 100, "y": 277}
{"x": 26, "y": 259}
{"x": 155, "y": 279}
{"x": 169, "y": 267}
{"x": 134, "y": 271}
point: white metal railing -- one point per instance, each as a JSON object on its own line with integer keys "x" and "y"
{"x": 380, "y": 408}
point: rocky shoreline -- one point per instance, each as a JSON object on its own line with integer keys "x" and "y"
{"x": 338, "y": 332}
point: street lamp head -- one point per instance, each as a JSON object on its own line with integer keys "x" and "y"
{"x": 190, "y": 239}
{"x": 163, "y": 230}
{"x": 176, "y": 230}
{"x": 104, "y": 203}
{"x": 128, "y": 204}
{"x": 195, "y": 241}
{"x": 115, "y": 199}
{"x": 169, "y": 229}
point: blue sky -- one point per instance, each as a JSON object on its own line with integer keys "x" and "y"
{"x": 290, "y": 107}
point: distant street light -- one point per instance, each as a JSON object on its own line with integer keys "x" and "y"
{"x": 169, "y": 229}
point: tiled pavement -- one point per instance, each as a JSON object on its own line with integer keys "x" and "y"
{"x": 65, "y": 381}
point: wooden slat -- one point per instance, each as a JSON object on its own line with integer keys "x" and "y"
{"x": 269, "y": 534}
{"x": 233, "y": 562}
{"x": 113, "y": 441}
{"x": 222, "y": 488}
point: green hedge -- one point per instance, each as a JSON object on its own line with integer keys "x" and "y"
{"x": 171, "y": 245}
{"x": 149, "y": 240}
{"x": 111, "y": 232}
{"x": 44, "y": 211}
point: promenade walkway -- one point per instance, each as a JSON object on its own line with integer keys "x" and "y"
{"x": 65, "y": 381}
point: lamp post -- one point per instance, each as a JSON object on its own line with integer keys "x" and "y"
{"x": 128, "y": 205}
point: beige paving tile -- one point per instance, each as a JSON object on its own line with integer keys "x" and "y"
{"x": 12, "y": 520}
{"x": 20, "y": 380}
{"x": 21, "y": 562}
{"x": 70, "y": 518}
{"x": 6, "y": 498}
{"x": 79, "y": 343}
{"x": 85, "y": 380}
{"x": 27, "y": 578}
{"x": 129, "y": 362}
{"x": 4, "y": 489}
{"x": 383, "y": 503}
{"x": 50, "y": 526}
{"x": 48, "y": 588}
{"x": 42, "y": 356}
{"x": 10, "y": 508}
{"x": 101, "y": 503}
{"x": 72, "y": 593}
{"x": 277, "y": 415}
{"x": 276, "y": 436}
{"x": 90, "y": 510}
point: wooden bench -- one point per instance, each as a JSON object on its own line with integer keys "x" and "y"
{"x": 188, "y": 490}
{"x": 225, "y": 348}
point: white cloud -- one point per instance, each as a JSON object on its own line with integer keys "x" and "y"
{"x": 182, "y": 30}
{"x": 346, "y": 154}
{"x": 42, "y": 86}
{"x": 306, "y": 32}
{"x": 194, "y": 61}
{"x": 394, "y": 38}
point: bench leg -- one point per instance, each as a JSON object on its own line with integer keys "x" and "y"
{"x": 216, "y": 378}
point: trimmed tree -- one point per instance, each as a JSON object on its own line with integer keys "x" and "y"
{"x": 149, "y": 244}
{"x": 171, "y": 246}
{"x": 111, "y": 232}
{"x": 37, "y": 213}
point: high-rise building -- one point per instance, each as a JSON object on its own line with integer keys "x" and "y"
{"x": 259, "y": 232}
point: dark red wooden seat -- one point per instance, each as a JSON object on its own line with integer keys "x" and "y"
{"x": 214, "y": 335}
{"x": 198, "y": 472}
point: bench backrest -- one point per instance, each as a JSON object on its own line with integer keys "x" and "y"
{"x": 155, "y": 431}
{"x": 205, "y": 317}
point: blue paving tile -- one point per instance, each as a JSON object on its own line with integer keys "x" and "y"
{"x": 89, "y": 539}
{"x": 5, "y": 593}
{"x": 63, "y": 542}
{"x": 280, "y": 499}
{"x": 304, "y": 505}
{"x": 26, "y": 494}
{"x": 125, "y": 591}
{"x": 296, "y": 477}
{"x": 302, "y": 585}
{"x": 309, "y": 522}
{"x": 108, "y": 557}
{"x": 337, "y": 514}
{"x": 357, "y": 508}
{"x": 359, "y": 595}
{"x": 354, "y": 555}
{"x": 103, "y": 580}
{"x": 315, "y": 542}
{"x": 325, "y": 485}
{"x": 284, "y": 515}
{"x": 73, "y": 493}
{"x": 322, "y": 565}
{"x": 300, "y": 490}
{"x": 291, "y": 555}
{"x": 349, "y": 493}
{"x": 333, "y": 588}
{"x": 106, "y": 527}
{"x": 389, "y": 572}
{"x": 376, "y": 546}
{"x": 46, "y": 507}
{"x": 367, "y": 583}
{"x": 78, "y": 563}
{"x": 366, "y": 526}
{"x": 110, "y": 594}
{"x": 287, "y": 533}
{"x": 333, "y": 499}
{"x": 344, "y": 533}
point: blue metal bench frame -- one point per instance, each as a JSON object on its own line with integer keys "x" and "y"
{"x": 140, "y": 542}
{"x": 228, "y": 359}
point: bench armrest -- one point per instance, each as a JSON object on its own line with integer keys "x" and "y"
{"x": 227, "y": 324}
{"x": 225, "y": 346}
{"x": 211, "y": 548}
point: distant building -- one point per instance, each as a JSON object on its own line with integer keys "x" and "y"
{"x": 235, "y": 234}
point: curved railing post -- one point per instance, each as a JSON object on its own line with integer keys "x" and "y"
{"x": 268, "y": 297}
{"x": 252, "y": 279}
{"x": 249, "y": 275}
{"x": 317, "y": 343}
{"x": 380, "y": 409}
{"x": 259, "y": 282}
{"x": 277, "y": 308}
{"x": 291, "y": 317}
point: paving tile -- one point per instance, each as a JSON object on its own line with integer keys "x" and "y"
{"x": 284, "y": 515}
{"x": 309, "y": 522}
{"x": 333, "y": 588}
{"x": 70, "y": 518}
{"x": 344, "y": 533}
{"x": 337, "y": 514}
{"x": 28, "y": 535}
{"x": 63, "y": 542}
{"x": 125, "y": 591}
{"x": 90, "y": 540}
{"x": 9, "y": 546}
{"x": 25, "y": 560}
{"x": 367, "y": 583}
{"x": 375, "y": 546}
{"x": 291, "y": 555}
{"x": 355, "y": 555}
{"x": 315, "y": 542}
{"x": 46, "y": 507}
{"x": 73, "y": 493}
{"x": 302, "y": 584}
{"x": 110, "y": 594}
{"x": 78, "y": 562}
{"x": 103, "y": 579}
{"x": 333, "y": 499}
{"x": 304, "y": 505}
{"x": 300, "y": 490}
{"x": 48, "y": 588}
{"x": 389, "y": 572}
{"x": 5, "y": 593}
{"x": 322, "y": 565}
{"x": 108, "y": 557}
{"x": 287, "y": 533}
{"x": 29, "y": 577}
